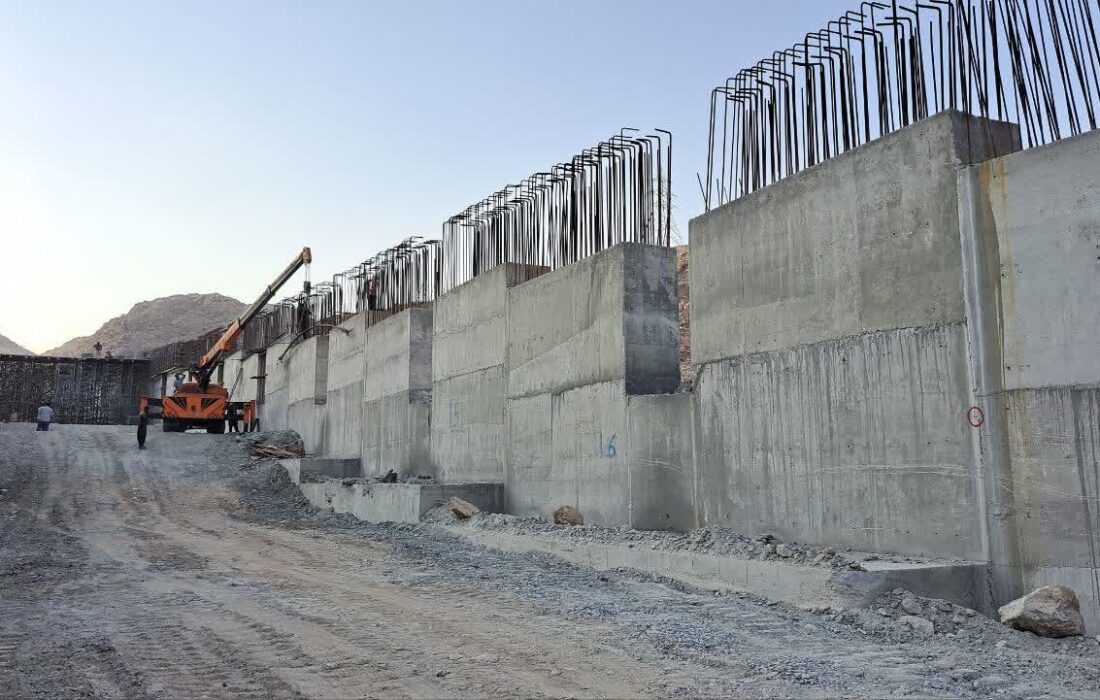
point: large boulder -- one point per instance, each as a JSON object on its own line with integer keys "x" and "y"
{"x": 568, "y": 515}
{"x": 1050, "y": 611}
{"x": 462, "y": 509}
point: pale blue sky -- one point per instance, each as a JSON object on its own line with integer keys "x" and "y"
{"x": 154, "y": 148}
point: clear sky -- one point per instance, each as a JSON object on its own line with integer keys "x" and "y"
{"x": 151, "y": 148}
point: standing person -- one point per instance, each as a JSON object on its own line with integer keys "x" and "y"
{"x": 178, "y": 384}
{"x": 45, "y": 416}
{"x": 143, "y": 428}
{"x": 233, "y": 416}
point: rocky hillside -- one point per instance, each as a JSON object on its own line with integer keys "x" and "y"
{"x": 10, "y": 347}
{"x": 151, "y": 324}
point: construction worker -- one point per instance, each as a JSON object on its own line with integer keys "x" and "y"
{"x": 233, "y": 414}
{"x": 143, "y": 428}
{"x": 178, "y": 384}
{"x": 45, "y": 416}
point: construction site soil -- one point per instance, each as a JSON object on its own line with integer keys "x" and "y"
{"x": 186, "y": 570}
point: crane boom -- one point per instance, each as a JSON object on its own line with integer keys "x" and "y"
{"x": 208, "y": 361}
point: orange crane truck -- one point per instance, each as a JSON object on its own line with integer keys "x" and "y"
{"x": 202, "y": 404}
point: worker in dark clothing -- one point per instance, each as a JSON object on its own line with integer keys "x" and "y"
{"x": 143, "y": 428}
{"x": 233, "y": 414}
{"x": 45, "y": 416}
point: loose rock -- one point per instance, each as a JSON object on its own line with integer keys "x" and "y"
{"x": 568, "y": 515}
{"x": 1050, "y": 611}
{"x": 462, "y": 509}
{"x": 921, "y": 626}
{"x": 911, "y": 605}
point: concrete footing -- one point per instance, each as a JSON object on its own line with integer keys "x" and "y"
{"x": 799, "y": 585}
{"x": 326, "y": 486}
{"x": 376, "y": 502}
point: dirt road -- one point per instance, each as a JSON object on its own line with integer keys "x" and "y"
{"x": 172, "y": 573}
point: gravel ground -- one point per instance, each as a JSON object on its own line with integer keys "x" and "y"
{"x": 187, "y": 571}
{"x": 759, "y": 648}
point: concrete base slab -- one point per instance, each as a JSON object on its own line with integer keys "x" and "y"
{"x": 379, "y": 503}
{"x": 801, "y": 586}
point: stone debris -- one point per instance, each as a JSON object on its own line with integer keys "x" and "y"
{"x": 280, "y": 439}
{"x": 903, "y": 614}
{"x": 920, "y": 625}
{"x": 273, "y": 444}
{"x": 1050, "y": 611}
{"x": 568, "y": 515}
{"x": 911, "y": 605}
{"x": 718, "y": 541}
{"x": 462, "y": 509}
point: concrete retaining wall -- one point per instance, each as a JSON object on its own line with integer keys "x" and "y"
{"x": 580, "y": 341}
{"x": 894, "y": 351}
{"x": 307, "y": 371}
{"x": 274, "y": 410}
{"x": 397, "y": 394}
{"x": 248, "y": 390}
{"x": 1032, "y": 225}
{"x": 468, "y": 378}
{"x": 828, "y": 331}
{"x": 344, "y": 402}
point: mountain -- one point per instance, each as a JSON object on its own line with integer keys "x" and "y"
{"x": 10, "y": 347}
{"x": 151, "y": 324}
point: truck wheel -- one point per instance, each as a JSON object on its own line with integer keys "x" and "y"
{"x": 168, "y": 425}
{"x": 216, "y": 427}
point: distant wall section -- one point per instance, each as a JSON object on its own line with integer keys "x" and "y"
{"x": 88, "y": 390}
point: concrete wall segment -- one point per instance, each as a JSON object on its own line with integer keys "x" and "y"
{"x": 867, "y": 241}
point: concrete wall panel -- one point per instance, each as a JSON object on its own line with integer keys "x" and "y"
{"x": 1032, "y": 233}
{"x": 530, "y": 482}
{"x": 387, "y": 357}
{"x": 588, "y": 424}
{"x": 468, "y": 386}
{"x": 859, "y": 442}
{"x": 309, "y": 420}
{"x": 248, "y": 387}
{"x": 565, "y": 328}
{"x": 273, "y": 412}
{"x": 307, "y": 369}
{"x": 610, "y": 316}
{"x": 468, "y": 433}
{"x": 469, "y": 326}
{"x": 344, "y": 403}
{"x": 346, "y": 363}
{"x": 1044, "y": 205}
{"x": 658, "y": 449}
{"x": 867, "y": 241}
{"x": 396, "y": 435}
{"x": 1054, "y": 447}
{"x": 344, "y": 421}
